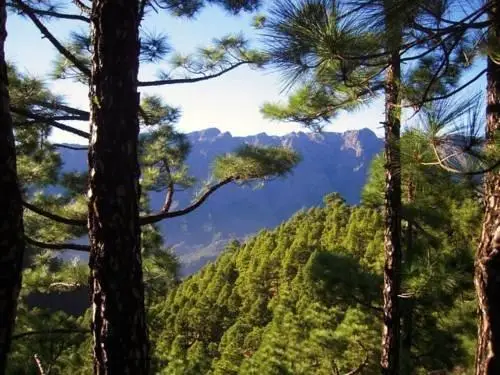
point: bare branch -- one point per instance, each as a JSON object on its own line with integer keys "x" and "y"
{"x": 65, "y": 285}
{"x": 151, "y": 219}
{"x": 449, "y": 94}
{"x": 39, "y": 364}
{"x": 78, "y": 148}
{"x": 169, "y": 197}
{"x": 51, "y": 13}
{"x": 174, "y": 81}
{"x": 57, "y": 246}
{"x": 441, "y": 163}
{"x": 84, "y": 8}
{"x": 49, "y": 121}
{"x": 66, "y": 118}
{"x": 55, "y": 217}
{"x": 84, "y": 115}
{"x": 455, "y": 154}
{"x": 55, "y": 331}
{"x": 62, "y": 50}
{"x": 170, "y": 190}
{"x": 63, "y": 127}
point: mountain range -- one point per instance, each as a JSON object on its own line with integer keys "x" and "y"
{"x": 331, "y": 162}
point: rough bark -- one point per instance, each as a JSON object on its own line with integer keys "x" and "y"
{"x": 118, "y": 323}
{"x": 11, "y": 218}
{"x": 392, "y": 220}
{"x": 408, "y": 303}
{"x": 487, "y": 272}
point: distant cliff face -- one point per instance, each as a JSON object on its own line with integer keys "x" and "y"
{"x": 331, "y": 162}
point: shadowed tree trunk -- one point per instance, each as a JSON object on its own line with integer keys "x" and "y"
{"x": 118, "y": 323}
{"x": 11, "y": 212}
{"x": 487, "y": 275}
{"x": 392, "y": 209}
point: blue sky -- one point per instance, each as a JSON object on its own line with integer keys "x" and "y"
{"x": 230, "y": 103}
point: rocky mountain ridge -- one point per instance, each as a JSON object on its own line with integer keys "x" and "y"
{"x": 331, "y": 162}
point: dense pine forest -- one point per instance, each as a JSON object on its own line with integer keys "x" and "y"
{"x": 405, "y": 281}
{"x": 303, "y": 298}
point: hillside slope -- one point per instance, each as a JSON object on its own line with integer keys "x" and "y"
{"x": 305, "y": 298}
{"x": 331, "y": 162}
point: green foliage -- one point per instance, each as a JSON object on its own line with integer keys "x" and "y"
{"x": 305, "y": 297}
{"x": 58, "y": 332}
{"x": 253, "y": 162}
{"x": 191, "y": 7}
{"x": 155, "y": 111}
{"x": 60, "y": 352}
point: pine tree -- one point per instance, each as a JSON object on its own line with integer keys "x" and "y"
{"x": 392, "y": 208}
{"x": 116, "y": 281}
{"x": 114, "y": 197}
{"x": 487, "y": 259}
{"x": 313, "y": 39}
{"x": 482, "y": 16}
{"x": 11, "y": 225}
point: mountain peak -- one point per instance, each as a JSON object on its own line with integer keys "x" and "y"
{"x": 357, "y": 140}
{"x": 210, "y": 132}
{"x": 351, "y": 136}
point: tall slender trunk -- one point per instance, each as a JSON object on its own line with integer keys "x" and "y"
{"x": 392, "y": 236}
{"x": 11, "y": 217}
{"x": 487, "y": 273}
{"x": 116, "y": 281}
{"x": 408, "y": 303}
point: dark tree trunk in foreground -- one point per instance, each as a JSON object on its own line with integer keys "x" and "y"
{"x": 487, "y": 275}
{"x": 11, "y": 212}
{"x": 118, "y": 326}
{"x": 392, "y": 237}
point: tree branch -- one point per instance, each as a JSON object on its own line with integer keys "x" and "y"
{"x": 447, "y": 95}
{"x": 50, "y": 13}
{"x": 55, "y": 217}
{"x": 78, "y": 148}
{"x": 63, "y": 127}
{"x": 62, "y": 50}
{"x": 39, "y": 365}
{"x": 440, "y": 162}
{"x": 49, "y": 332}
{"x": 80, "y": 5}
{"x": 66, "y": 118}
{"x": 151, "y": 219}
{"x": 49, "y": 121}
{"x": 84, "y": 115}
{"x": 174, "y": 81}
{"x": 169, "y": 197}
{"x": 170, "y": 190}
{"x": 57, "y": 246}
{"x": 65, "y": 285}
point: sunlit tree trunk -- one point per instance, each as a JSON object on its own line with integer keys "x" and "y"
{"x": 487, "y": 274}
{"x": 11, "y": 212}
{"x": 118, "y": 324}
{"x": 392, "y": 208}
{"x": 408, "y": 303}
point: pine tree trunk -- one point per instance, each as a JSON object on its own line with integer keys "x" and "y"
{"x": 11, "y": 217}
{"x": 408, "y": 303}
{"x": 119, "y": 323}
{"x": 487, "y": 275}
{"x": 392, "y": 236}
